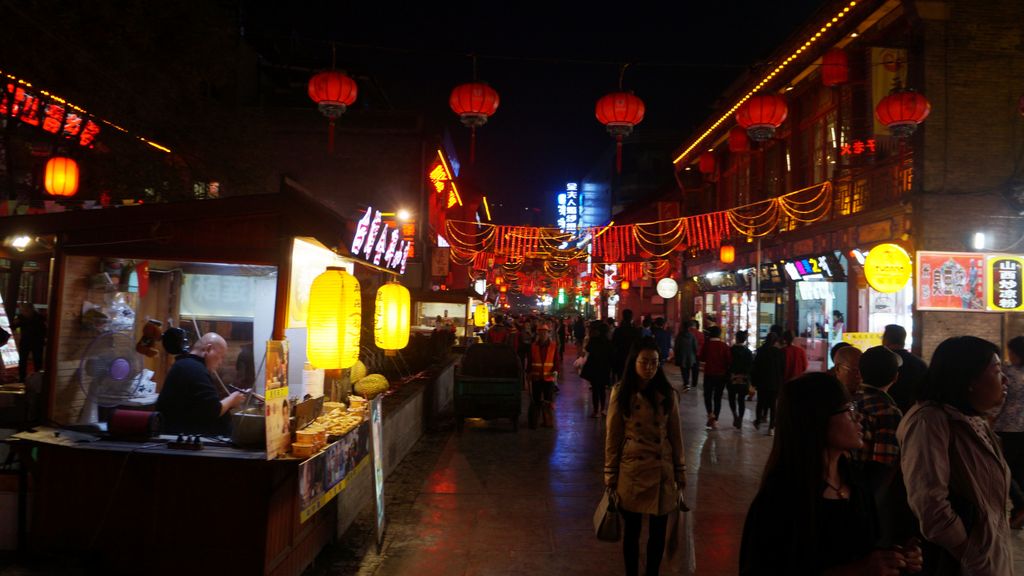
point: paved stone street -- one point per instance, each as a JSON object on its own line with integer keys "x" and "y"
{"x": 493, "y": 502}
{"x": 496, "y": 502}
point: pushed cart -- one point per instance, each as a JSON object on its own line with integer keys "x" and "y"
{"x": 488, "y": 384}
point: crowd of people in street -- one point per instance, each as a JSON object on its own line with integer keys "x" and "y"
{"x": 882, "y": 464}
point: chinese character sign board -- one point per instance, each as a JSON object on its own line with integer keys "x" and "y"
{"x": 376, "y": 242}
{"x": 1004, "y": 280}
{"x": 863, "y": 340}
{"x": 970, "y": 282}
{"x": 570, "y": 208}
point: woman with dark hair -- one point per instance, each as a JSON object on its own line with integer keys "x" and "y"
{"x": 598, "y": 368}
{"x": 811, "y": 514}
{"x": 1009, "y": 425}
{"x": 644, "y": 459}
{"x": 957, "y": 480}
{"x": 766, "y": 376}
{"x": 685, "y": 353}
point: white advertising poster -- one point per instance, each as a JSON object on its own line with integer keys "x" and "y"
{"x": 378, "y": 466}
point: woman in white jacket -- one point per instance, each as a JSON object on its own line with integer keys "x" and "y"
{"x": 957, "y": 480}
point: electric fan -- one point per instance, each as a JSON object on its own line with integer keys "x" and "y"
{"x": 109, "y": 373}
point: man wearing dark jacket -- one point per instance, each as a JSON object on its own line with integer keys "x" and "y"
{"x": 905, "y": 390}
{"x": 622, "y": 342}
{"x": 189, "y": 402}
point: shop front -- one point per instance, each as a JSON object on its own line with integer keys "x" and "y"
{"x": 727, "y": 300}
{"x": 260, "y": 499}
{"x": 820, "y": 295}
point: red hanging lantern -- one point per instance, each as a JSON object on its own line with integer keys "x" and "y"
{"x": 761, "y": 115}
{"x": 619, "y": 112}
{"x": 901, "y": 111}
{"x": 333, "y": 92}
{"x": 738, "y": 140}
{"x": 707, "y": 163}
{"x": 61, "y": 176}
{"x": 474, "y": 102}
{"x": 835, "y": 68}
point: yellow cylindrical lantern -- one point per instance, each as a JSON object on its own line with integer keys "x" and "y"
{"x": 480, "y": 315}
{"x": 334, "y": 320}
{"x": 391, "y": 318}
{"x": 727, "y": 254}
{"x": 61, "y": 176}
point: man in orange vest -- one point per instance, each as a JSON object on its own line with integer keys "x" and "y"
{"x": 542, "y": 366}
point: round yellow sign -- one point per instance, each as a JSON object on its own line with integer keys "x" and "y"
{"x": 887, "y": 268}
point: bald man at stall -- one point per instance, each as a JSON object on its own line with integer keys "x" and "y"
{"x": 189, "y": 402}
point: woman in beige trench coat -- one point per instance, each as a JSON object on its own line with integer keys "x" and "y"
{"x": 644, "y": 461}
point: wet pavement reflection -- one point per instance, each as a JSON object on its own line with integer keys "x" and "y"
{"x": 493, "y": 502}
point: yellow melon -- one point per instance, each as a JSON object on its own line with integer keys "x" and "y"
{"x": 358, "y": 372}
{"x": 371, "y": 385}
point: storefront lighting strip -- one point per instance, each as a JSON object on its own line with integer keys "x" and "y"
{"x": 764, "y": 81}
{"x": 605, "y": 229}
{"x": 81, "y": 110}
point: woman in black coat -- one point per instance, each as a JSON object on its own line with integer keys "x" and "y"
{"x": 766, "y": 376}
{"x": 598, "y": 367}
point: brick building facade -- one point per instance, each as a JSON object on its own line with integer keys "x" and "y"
{"x": 957, "y": 174}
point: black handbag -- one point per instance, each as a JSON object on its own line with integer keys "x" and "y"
{"x": 607, "y": 520}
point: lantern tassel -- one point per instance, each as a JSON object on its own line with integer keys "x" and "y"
{"x": 330, "y": 138}
{"x": 472, "y": 145}
{"x": 618, "y": 154}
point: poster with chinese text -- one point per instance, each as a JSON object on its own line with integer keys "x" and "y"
{"x": 1004, "y": 281}
{"x": 953, "y": 281}
{"x": 277, "y": 410}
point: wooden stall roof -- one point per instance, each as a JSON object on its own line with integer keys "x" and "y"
{"x": 237, "y": 229}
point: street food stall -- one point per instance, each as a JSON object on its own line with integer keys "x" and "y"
{"x": 105, "y": 483}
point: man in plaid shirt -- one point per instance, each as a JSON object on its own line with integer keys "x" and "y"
{"x": 880, "y": 456}
{"x": 879, "y": 368}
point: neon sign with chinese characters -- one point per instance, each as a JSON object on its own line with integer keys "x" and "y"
{"x": 441, "y": 178}
{"x": 48, "y": 113}
{"x": 570, "y": 208}
{"x": 380, "y": 244}
{"x": 857, "y": 147}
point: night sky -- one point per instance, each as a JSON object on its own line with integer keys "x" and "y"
{"x": 549, "y": 63}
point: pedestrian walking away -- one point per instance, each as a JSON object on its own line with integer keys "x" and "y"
{"x": 766, "y": 374}
{"x": 742, "y": 361}
{"x": 716, "y": 357}
{"x": 684, "y": 353}
{"x": 644, "y": 456}
{"x": 598, "y": 368}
